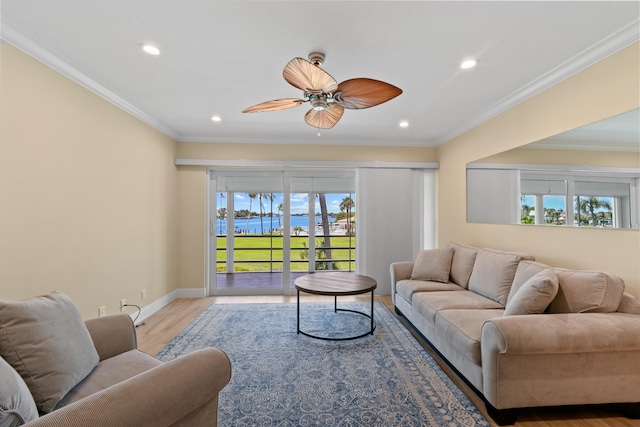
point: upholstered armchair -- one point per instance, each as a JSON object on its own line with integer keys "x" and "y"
{"x": 56, "y": 370}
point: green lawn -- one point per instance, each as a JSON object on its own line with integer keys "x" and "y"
{"x": 258, "y": 248}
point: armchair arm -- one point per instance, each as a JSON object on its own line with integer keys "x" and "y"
{"x": 158, "y": 397}
{"x": 112, "y": 335}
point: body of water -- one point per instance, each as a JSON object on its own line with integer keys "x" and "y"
{"x": 253, "y": 225}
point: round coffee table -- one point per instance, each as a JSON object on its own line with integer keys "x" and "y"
{"x": 336, "y": 284}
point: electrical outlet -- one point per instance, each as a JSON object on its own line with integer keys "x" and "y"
{"x": 102, "y": 311}
{"x": 123, "y": 302}
{"x": 143, "y": 294}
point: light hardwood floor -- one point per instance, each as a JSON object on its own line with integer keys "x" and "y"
{"x": 161, "y": 327}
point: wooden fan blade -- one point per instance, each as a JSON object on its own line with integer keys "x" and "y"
{"x": 324, "y": 119}
{"x": 360, "y": 93}
{"x": 275, "y": 105}
{"x": 308, "y": 77}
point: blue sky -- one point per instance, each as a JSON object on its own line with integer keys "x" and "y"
{"x": 550, "y": 202}
{"x": 299, "y": 202}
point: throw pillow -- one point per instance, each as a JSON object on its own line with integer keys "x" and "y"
{"x": 16, "y": 403}
{"x": 535, "y": 295}
{"x": 48, "y": 344}
{"x": 525, "y": 271}
{"x": 433, "y": 264}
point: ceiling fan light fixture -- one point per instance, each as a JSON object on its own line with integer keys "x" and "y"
{"x": 318, "y": 102}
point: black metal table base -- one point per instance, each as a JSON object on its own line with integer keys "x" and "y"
{"x": 335, "y": 310}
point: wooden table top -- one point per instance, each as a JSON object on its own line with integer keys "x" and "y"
{"x": 335, "y": 284}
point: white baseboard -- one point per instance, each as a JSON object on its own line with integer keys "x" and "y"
{"x": 156, "y": 305}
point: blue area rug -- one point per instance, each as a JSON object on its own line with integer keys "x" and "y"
{"x": 281, "y": 378}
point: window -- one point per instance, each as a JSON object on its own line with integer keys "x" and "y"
{"x": 595, "y": 200}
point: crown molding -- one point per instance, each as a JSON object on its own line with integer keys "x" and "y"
{"x": 615, "y": 42}
{"x": 47, "y": 57}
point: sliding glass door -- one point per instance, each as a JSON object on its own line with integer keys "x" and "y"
{"x": 269, "y": 227}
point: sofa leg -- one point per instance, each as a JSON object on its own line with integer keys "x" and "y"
{"x": 502, "y": 417}
{"x": 633, "y": 410}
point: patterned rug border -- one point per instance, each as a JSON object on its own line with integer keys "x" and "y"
{"x": 401, "y": 384}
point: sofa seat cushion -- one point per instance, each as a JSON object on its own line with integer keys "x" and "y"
{"x": 406, "y": 288}
{"x": 427, "y": 304}
{"x": 493, "y": 274}
{"x": 48, "y": 344}
{"x": 583, "y": 291}
{"x": 463, "y": 329}
{"x": 16, "y": 403}
{"x": 109, "y": 372}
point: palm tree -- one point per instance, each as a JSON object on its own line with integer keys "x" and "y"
{"x": 325, "y": 227}
{"x": 553, "y": 215}
{"x": 590, "y": 205}
{"x": 261, "y": 197}
{"x": 279, "y": 210}
{"x": 346, "y": 205}
{"x": 251, "y": 197}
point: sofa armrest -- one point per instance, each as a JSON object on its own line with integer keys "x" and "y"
{"x": 399, "y": 271}
{"x": 562, "y": 333}
{"x": 112, "y": 335}
{"x": 561, "y": 359}
{"x": 158, "y": 397}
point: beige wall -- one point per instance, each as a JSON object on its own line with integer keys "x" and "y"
{"x": 88, "y": 194}
{"x": 608, "y": 88}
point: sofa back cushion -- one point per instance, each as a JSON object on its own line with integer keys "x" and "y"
{"x": 525, "y": 271}
{"x": 583, "y": 291}
{"x": 534, "y": 295}
{"x": 16, "y": 403}
{"x": 493, "y": 273}
{"x": 629, "y": 304}
{"x": 45, "y": 340}
{"x": 462, "y": 263}
{"x": 433, "y": 264}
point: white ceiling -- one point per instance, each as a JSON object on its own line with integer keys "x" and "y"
{"x": 219, "y": 57}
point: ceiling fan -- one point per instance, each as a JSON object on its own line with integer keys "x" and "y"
{"x": 328, "y": 99}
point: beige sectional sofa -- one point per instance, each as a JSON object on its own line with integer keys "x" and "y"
{"x": 58, "y": 371}
{"x": 522, "y": 333}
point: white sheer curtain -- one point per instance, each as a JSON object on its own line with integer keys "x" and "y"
{"x": 395, "y": 218}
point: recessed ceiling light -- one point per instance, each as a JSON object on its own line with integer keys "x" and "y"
{"x": 216, "y": 119}
{"x": 469, "y": 63}
{"x": 404, "y": 124}
{"x": 151, "y": 49}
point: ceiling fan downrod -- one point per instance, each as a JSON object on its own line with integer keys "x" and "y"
{"x": 316, "y": 58}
